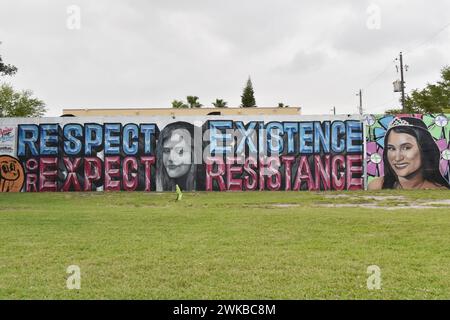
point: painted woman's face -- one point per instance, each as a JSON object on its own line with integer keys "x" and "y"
{"x": 177, "y": 153}
{"x": 403, "y": 154}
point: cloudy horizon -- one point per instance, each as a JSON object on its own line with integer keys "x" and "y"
{"x": 147, "y": 53}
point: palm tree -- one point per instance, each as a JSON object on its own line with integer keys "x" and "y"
{"x": 178, "y": 104}
{"x": 193, "y": 102}
{"x": 220, "y": 104}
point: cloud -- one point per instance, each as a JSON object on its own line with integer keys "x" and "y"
{"x": 147, "y": 53}
{"x": 304, "y": 62}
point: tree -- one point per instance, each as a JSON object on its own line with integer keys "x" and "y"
{"x": 282, "y": 105}
{"x": 219, "y": 103}
{"x": 248, "y": 97}
{"x": 193, "y": 102}
{"x": 177, "y": 104}
{"x": 19, "y": 104}
{"x": 6, "y": 69}
{"x": 434, "y": 98}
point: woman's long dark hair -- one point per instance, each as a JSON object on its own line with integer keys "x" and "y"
{"x": 429, "y": 154}
{"x": 163, "y": 181}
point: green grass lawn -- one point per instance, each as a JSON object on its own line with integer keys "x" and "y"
{"x": 254, "y": 245}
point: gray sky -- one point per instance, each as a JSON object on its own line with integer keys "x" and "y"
{"x": 147, "y": 53}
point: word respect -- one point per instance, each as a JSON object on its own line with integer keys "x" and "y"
{"x": 88, "y": 139}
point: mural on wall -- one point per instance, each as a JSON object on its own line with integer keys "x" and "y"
{"x": 11, "y": 174}
{"x": 306, "y": 155}
{"x": 175, "y": 163}
{"x": 195, "y": 153}
{"x": 408, "y": 151}
{"x": 7, "y": 140}
{"x": 87, "y": 156}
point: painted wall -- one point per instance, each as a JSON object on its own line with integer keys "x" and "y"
{"x": 431, "y": 134}
{"x": 197, "y": 153}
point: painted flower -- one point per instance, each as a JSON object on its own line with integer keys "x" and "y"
{"x": 375, "y": 166}
{"x": 438, "y": 125}
{"x": 369, "y": 120}
{"x": 380, "y": 130}
{"x": 444, "y": 148}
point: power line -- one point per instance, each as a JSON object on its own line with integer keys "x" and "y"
{"x": 381, "y": 106}
{"x": 408, "y": 51}
{"x": 378, "y": 75}
{"x": 434, "y": 35}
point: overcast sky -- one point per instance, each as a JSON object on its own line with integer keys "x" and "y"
{"x": 146, "y": 53}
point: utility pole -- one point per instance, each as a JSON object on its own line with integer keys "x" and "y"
{"x": 333, "y": 109}
{"x": 360, "y": 109}
{"x": 402, "y": 82}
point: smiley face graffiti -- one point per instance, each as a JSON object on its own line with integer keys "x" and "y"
{"x": 11, "y": 174}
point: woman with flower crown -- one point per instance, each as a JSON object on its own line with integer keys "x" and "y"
{"x": 411, "y": 158}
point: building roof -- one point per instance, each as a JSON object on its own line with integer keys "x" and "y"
{"x": 180, "y": 112}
